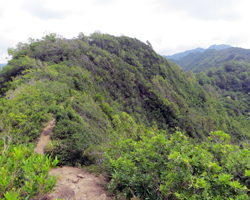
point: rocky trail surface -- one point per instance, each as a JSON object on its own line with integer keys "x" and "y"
{"x": 73, "y": 183}
{"x": 77, "y": 184}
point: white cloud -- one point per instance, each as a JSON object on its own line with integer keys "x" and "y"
{"x": 39, "y": 10}
{"x": 204, "y": 10}
{"x": 170, "y": 26}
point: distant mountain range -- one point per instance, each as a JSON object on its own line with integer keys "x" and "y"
{"x": 178, "y": 56}
{"x": 198, "y": 62}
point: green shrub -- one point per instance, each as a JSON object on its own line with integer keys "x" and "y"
{"x": 24, "y": 174}
{"x": 155, "y": 167}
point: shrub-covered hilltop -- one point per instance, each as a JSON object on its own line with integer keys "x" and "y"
{"x": 118, "y": 105}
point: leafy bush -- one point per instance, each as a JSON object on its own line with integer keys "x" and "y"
{"x": 152, "y": 166}
{"x": 24, "y": 174}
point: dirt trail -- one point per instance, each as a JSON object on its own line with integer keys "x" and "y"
{"x": 77, "y": 184}
{"x": 44, "y": 139}
{"x": 73, "y": 183}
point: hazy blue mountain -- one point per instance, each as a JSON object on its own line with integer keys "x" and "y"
{"x": 178, "y": 56}
{"x": 219, "y": 47}
{"x": 2, "y": 65}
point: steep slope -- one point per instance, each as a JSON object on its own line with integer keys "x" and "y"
{"x": 232, "y": 81}
{"x": 228, "y": 72}
{"x": 107, "y": 75}
{"x": 120, "y": 106}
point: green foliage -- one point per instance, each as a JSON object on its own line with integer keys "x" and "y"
{"x": 100, "y": 87}
{"x": 150, "y": 165}
{"x": 129, "y": 77}
{"x": 24, "y": 174}
{"x": 75, "y": 133}
{"x": 230, "y": 82}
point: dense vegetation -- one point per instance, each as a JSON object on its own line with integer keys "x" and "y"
{"x": 24, "y": 174}
{"x": 150, "y": 165}
{"x": 115, "y": 93}
{"x": 232, "y": 82}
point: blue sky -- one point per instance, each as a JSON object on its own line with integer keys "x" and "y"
{"x": 171, "y": 26}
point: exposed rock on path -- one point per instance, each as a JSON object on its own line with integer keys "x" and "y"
{"x": 78, "y": 184}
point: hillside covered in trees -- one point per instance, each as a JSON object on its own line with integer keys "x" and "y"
{"x": 232, "y": 82}
{"x": 157, "y": 131}
{"x": 198, "y": 62}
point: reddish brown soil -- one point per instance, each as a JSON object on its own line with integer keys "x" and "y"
{"x": 73, "y": 183}
{"x": 78, "y": 184}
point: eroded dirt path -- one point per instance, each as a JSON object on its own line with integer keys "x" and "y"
{"x": 73, "y": 183}
{"x": 44, "y": 139}
{"x": 77, "y": 184}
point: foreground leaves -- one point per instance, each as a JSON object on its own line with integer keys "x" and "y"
{"x": 152, "y": 166}
{"x": 24, "y": 174}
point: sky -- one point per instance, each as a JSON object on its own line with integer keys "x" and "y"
{"x": 171, "y": 26}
